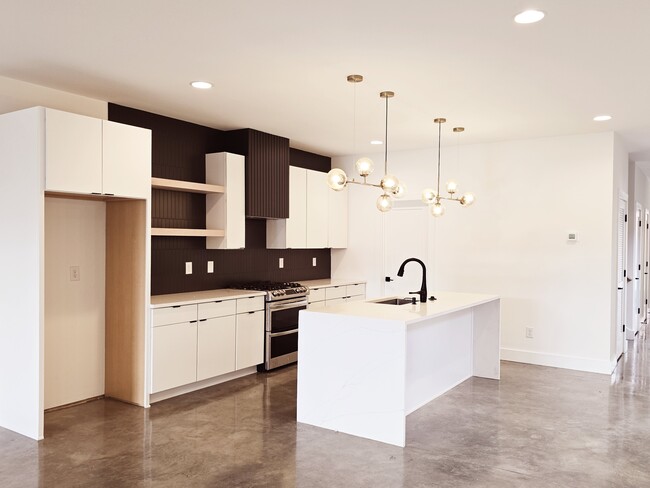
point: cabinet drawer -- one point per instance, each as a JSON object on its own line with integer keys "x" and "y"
{"x": 173, "y": 315}
{"x": 356, "y": 289}
{"x": 250, "y": 304}
{"x": 335, "y": 292}
{"x": 335, "y": 301}
{"x": 316, "y": 295}
{"x": 219, "y": 308}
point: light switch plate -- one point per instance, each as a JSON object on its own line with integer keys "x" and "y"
{"x": 188, "y": 267}
{"x": 210, "y": 266}
{"x": 313, "y": 261}
{"x": 572, "y": 237}
{"x": 281, "y": 263}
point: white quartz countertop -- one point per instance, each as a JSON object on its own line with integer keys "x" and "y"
{"x": 193, "y": 297}
{"x": 446, "y": 303}
{"x": 328, "y": 282}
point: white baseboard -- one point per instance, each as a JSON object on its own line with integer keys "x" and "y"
{"x": 558, "y": 361}
{"x": 181, "y": 390}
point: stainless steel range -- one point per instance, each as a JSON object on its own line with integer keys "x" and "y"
{"x": 284, "y": 301}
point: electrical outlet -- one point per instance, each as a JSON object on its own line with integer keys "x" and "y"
{"x": 529, "y": 332}
{"x": 188, "y": 267}
{"x": 281, "y": 263}
{"x": 210, "y": 266}
{"x": 75, "y": 274}
{"x": 313, "y": 261}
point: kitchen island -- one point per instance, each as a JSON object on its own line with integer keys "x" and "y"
{"x": 364, "y": 366}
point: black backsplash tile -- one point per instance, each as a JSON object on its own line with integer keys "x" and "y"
{"x": 179, "y": 150}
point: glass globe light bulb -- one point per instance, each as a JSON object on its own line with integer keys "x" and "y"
{"x": 428, "y": 196}
{"x": 467, "y": 199}
{"x": 364, "y": 166}
{"x": 451, "y": 187}
{"x": 337, "y": 179}
{"x": 399, "y": 191}
{"x": 388, "y": 183}
{"x": 437, "y": 210}
{"x": 384, "y": 203}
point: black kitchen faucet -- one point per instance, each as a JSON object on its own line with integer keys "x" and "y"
{"x": 423, "y": 288}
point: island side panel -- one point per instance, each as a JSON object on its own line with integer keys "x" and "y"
{"x": 351, "y": 375}
{"x": 487, "y": 340}
{"x": 439, "y": 357}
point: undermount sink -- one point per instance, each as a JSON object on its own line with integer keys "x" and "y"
{"x": 393, "y": 301}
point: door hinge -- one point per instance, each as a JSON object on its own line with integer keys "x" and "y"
{"x": 624, "y": 273}
{"x": 646, "y": 301}
{"x": 639, "y": 223}
{"x": 638, "y": 311}
{"x": 639, "y": 267}
{"x": 623, "y": 327}
{"x": 625, "y": 217}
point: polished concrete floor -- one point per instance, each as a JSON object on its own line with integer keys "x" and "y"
{"x": 537, "y": 427}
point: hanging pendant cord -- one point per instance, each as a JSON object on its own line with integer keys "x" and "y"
{"x": 439, "y": 131}
{"x": 386, "y": 141}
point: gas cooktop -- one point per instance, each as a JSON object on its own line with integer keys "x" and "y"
{"x": 275, "y": 290}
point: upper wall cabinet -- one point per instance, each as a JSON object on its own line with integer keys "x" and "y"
{"x": 84, "y": 155}
{"x": 316, "y": 221}
{"x": 226, "y": 210}
{"x": 267, "y": 172}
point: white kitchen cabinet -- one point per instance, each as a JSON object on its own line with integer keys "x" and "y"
{"x": 317, "y": 219}
{"x": 317, "y": 209}
{"x": 334, "y": 294}
{"x": 216, "y": 346}
{"x": 174, "y": 355}
{"x": 85, "y": 155}
{"x": 73, "y": 153}
{"x": 250, "y": 339}
{"x": 126, "y": 160}
{"x": 337, "y": 216}
{"x": 226, "y": 210}
{"x": 291, "y": 233}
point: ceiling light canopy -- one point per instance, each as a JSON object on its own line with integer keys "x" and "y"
{"x": 529, "y": 16}
{"x": 602, "y": 118}
{"x": 201, "y": 85}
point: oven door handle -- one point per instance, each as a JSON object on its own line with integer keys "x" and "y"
{"x": 276, "y": 307}
{"x": 279, "y": 334}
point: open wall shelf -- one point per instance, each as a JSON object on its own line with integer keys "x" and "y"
{"x": 160, "y": 231}
{"x": 187, "y": 186}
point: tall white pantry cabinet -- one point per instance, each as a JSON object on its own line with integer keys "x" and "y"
{"x": 48, "y": 153}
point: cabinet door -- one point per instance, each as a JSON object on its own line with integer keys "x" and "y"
{"x": 73, "y": 153}
{"x": 317, "y": 209}
{"x": 174, "y": 356}
{"x": 296, "y": 223}
{"x": 126, "y": 160}
{"x": 216, "y": 347}
{"x": 250, "y": 339}
{"x": 338, "y": 218}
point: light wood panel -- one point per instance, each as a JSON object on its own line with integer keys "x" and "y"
{"x": 188, "y": 186}
{"x": 163, "y": 231}
{"x": 125, "y": 301}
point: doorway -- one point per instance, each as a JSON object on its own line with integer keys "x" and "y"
{"x": 621, "y": 275}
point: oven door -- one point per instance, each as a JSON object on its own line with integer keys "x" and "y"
{"x": 282, "y": 332}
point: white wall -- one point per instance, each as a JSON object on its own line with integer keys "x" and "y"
{"x": 513, "y": 241}
{"x": 17, "y": 95}
{"x": 75, "y": 235}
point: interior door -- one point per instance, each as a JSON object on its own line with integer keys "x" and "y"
{"x": 636, "y": 270}
{"x": 646, "y": 259}
{"x": 405, "y": 236}
{"x": 621, "y": 276}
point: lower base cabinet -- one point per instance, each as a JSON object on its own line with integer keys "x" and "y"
{"x": 216, "y": 354}
{"x": 192, "y": 343}
{"x": 174, "y": 355}
{"x": 250, "y": 339}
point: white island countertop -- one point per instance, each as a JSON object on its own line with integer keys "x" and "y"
{"x": 446, "y": 303}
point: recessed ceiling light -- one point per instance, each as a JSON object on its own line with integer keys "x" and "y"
{"x": 529, "y": 16}
{"x": 376, "y": 142}
{"x": 201, "y": 85}
{"x": 602, "y": 118}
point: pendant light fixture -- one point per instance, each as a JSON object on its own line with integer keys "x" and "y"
{"x": 338, "y": 180}
{"x": 432, "y": 197}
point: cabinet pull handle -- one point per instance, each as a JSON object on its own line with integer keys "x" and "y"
{"x": 176, "y": 306}
{"x": 110, "y": 194}
{"x": 95, "y": 193}
{"x": 217, "y": 301}
{"x": 202, "y": 320}
{"x": 192, "y": 321}
{"x": 251, "y": 312}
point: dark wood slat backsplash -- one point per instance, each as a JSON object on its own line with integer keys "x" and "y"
{"x": 179, "y": 150}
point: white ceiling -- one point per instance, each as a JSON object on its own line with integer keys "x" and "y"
{"x": 280, "y": 65}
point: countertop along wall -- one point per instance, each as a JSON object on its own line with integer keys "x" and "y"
{"x": 513, "y": 241}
